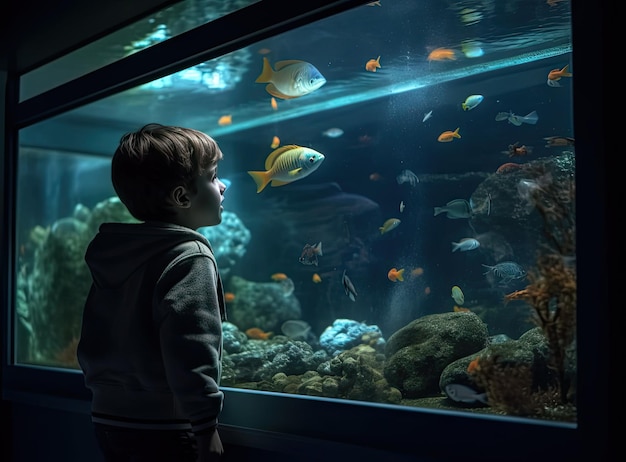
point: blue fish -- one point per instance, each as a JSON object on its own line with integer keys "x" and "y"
{"x": 506, "y": 271}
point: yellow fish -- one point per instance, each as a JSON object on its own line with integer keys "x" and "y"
{"x": 372, "y": 64}
{"x": 457, "y": 295}
{"x": 287, "y": 164}
{"x": 275, "y": 142}
{"x": 225, "y": 120}
{"x": 290, "y": 79}
{"x": 388, "y": 225}
{"x": 316, "y": 278}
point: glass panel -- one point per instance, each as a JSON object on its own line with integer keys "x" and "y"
{"x": 429, "y": 261}
{"x": 151, "y": 30}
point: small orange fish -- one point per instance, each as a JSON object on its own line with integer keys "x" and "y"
{"x": 275, "y": 142}
{"x": 427, "y": 290}
{"x": 372, "y": 65}
{"x": 225, "y": 120}
{"x": 375, "y": 176}
{"x": 417, "y": 271}
{"x": 508, "y": 167}
{"x": 440, "y": 54}
{"x": 460, "y": 309}
{"x": 474, "y": 365}
{"x": 448, "y": 136}
{"x": 229, "y": 297}
{"x": 396, "y": 275}
{"x": 279, "y": 276}
{"x": 274, "y": 103}
{"x": 264, "y": 51}
{"x": 316, "y": 278}
{"x": 258, "y": 334}
{"x": 556, "y": 74}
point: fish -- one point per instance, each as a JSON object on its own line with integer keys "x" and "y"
{"x": 225, "y": 120}
{"x": 472, "y": 49}
{"x": 471, "y": 102}
{"x": 375, "y": 176}
{"x": 530, "y": 118}
{"x": 407, "y": 176}
{"x": 427, "y": 115}
{"x": 464, "y": 394}
{"x": 291, "y": 78}
{"x": 295, "y": 329}
{"x": 310, "y": 253}
{"x": 395, "y": 275}
{"x": 457, "y": 295}
{"x": 427, "y": 290}
{"x": 372, "y": 65}
{"x": 507, "y": 271}
{"x": 279, "y": 276}
{"x": 333, "y": 132}
{"x": 415, "y": 272}
{"x": 508, "y": 167}
{"x": 489, "y": 202}
{"x": 274, "y": 103}
{"x": 441, "y": 54}
{"x": 402, "y": 206}
{"x": 460, "y": 309}
{"x": 465, "y": 244}
{"x": 556, "y": 141}
{"x": 448, "y": 136}
{"x": 457, "y": 208}
{"x": 348, "y": 287}
{"x": 287, "y": 164}
{"x": 275, "y": 142}
{"x": 388, "y": 225}
{"x": 316, "y": 278}
{"x": 517, "y": 150}
{"x": 229, "y": 297}
{"x": 377, "y": 3}
{"x": 258, "y": 334}
{"x": 556, "y": 74}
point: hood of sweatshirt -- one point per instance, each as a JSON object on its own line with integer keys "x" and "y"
{"x": 119, "y": 249}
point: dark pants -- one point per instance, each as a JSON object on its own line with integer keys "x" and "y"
{"x": 130, "y": 445}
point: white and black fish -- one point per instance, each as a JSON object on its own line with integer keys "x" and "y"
{"x": 507, "y": 271}
{"x": 465, "y": 244}
{"x": 348, "y": 286}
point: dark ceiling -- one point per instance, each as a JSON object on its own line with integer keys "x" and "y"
{"x": 33, "y": 32}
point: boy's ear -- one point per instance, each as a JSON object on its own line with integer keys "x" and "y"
{"x": 179, "y": 197}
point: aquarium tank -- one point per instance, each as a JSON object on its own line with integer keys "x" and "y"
{"x": 426, "y": 260}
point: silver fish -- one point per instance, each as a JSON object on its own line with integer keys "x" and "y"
{"x": 457, "y": 208}
{"x": 296, "y": 329}
{"x": 465, "y": 244}
{"x": 407, "y": 176}
{"x": 348, "y": 286}
{"x": 464, "y": 394}
{"x": 506, "y": 271}
{"x": 517, "y": 120}
{"x": 290, "y": 79}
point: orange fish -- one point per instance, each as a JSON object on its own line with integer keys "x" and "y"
{"x": 417, "y": 271}
{"x": 448, "y": 136}
{"x": 225, "y": 120}
{"x": 460, "y": 309}
{"x": 229, "y": 297}
{"x": 274, "y": 103}
{"x": 440, "y": 54}
{"x": 396, "y": 275}
{"x": 316, "y": 278}
{"x": 279, "y": 276}
{"x": 372, "y": 65}
{"x": 508, "y": 167}
{"x": 375, "y": 176}
{"x": 427, "y": 290}
{"x": 275, "y": 142}
{"x": 258, "y": 334}
{"x": 556, "y": 74}
{"x": 474, "y": 365}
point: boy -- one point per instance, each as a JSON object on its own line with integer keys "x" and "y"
{"x": 151, "y": 338}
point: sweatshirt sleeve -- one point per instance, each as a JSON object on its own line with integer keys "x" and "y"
{"x": 190, "y": 332}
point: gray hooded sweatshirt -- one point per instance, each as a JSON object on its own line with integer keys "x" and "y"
{"x": 151, "y": 338}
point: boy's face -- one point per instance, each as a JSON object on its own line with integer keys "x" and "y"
{"x": 206, "y": 204}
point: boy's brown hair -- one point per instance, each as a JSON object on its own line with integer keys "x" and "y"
{"x": 149, "y": 163}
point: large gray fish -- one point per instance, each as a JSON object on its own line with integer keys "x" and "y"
{"x": 506, "y": 271}
{"x": 457, "y": 208}
{"x": 290, "y": 79}
{"x": 464, "y": 394}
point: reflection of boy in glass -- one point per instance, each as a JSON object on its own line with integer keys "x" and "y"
{"x": 151, "y": 339}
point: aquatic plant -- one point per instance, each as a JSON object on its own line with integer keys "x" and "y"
{"x": 551, "y": 293}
